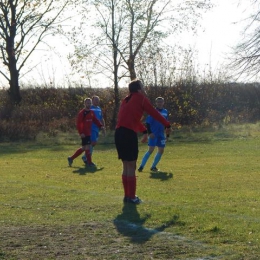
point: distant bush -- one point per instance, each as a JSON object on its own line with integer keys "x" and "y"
{"x": 51, "y": 110}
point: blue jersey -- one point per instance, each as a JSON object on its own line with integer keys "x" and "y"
{"x": 156, "y": 127}
{"x": 98, "y": 113}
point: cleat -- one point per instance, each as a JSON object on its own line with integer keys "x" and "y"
{"x": 154, "y": 169}
{"x": 70, "y": 161}
{"x": 140, "y": 169}
{"x": 91, "y": 164}
{"x": 136, "y": 200}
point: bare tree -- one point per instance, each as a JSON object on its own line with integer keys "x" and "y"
{"x": 245, "y": 60}
{"x": 140, "y": 22}
{"x": 124, "y": 27}
{"x": 23, "y": 25}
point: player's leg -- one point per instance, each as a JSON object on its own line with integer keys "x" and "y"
{"x": 127, "y": 148}
{"x": 147, "y": 155}
{"x": 130, "y": 168}
{"x": 79, "y": 151}
{"x": 160, "y": 151}
{"x": 88, "y": 156}
{"x": 94, "y": 139}
{"x": 86, "y": 142}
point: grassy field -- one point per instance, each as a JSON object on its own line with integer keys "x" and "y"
{"x": 203, "y": 204}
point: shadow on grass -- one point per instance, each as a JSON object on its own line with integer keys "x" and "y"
{"x": 130, "y": 224}
{"x": 86, "y": 170}
{"x": 163, "y": 176}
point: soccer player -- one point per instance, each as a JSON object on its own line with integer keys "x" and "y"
{"x": 95, "y": 129}
{"x": 84, "y": 122}
{"x": 156, "y": 136}
{"x": 128, "y": 124}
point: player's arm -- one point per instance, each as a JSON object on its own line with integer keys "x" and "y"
{"x": 80, "y": 124}
{"x": 149, "y": 109}
{"x": 142, "y": 129}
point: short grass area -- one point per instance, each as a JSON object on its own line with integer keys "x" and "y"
{"x": 203, "y": 204}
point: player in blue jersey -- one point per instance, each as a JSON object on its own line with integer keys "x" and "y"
{"x": 95, "y": 129}
{"x": 156, "y": 136}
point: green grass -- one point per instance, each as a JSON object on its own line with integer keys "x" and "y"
{"x": 203, "y": 204}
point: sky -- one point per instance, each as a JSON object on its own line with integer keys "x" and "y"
{"x": 220, "y": 30}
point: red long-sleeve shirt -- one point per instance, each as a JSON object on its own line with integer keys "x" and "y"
{"x": 132, "y": 109}
{"x": 84, "y": 122}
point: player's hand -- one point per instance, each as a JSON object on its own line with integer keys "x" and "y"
{"x": 168, "y": 131}
{"x": 144, "y": 138}
{"x": 82, "y": 135}
{"x": 152, "y": 136}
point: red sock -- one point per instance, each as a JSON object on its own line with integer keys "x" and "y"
{"x": 124, "y": 181}
{"x": 131, "y": 186}
{"x": 88, "y": 155}
{"x": 77, "y": 153}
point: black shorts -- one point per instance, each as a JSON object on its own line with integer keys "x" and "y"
{"x": 85, "y": 141}
{"x": 126, "y": 144}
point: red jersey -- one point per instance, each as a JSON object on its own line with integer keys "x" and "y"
{"x": 132, "y": 109}
{"x": 84, "y": 122}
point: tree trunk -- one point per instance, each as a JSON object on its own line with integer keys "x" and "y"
{"x": 117, "y": 104}
{"x": 116, "y": 89}
{"x": 14, "y": 91}
{"x": 131, "y": 67}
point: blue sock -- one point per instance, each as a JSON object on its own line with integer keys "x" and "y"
{"x": 156, "y": 160}
{"x": 145, "y": 158}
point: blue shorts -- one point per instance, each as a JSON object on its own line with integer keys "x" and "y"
{"x": 157, "y": 141}
{"x": 94, "y": 136}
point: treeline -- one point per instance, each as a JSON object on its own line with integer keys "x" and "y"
{"x": 51, "y": 110}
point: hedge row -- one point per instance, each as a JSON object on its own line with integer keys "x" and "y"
{"x": 51, "y": 110}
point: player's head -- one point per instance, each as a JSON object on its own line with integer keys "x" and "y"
{"x": 95, "y": 101}
{"x": 87, "y": 103}
{"x": 135, "y": 86}
{"x": 159, "y": 102}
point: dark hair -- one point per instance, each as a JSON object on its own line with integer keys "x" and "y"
{"x": 134, "y": 85}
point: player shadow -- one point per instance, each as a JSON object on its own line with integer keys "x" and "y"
{"x": 163, "y": 176}
{"x": 85, "y": 170}
{"x": 129, "y": 223}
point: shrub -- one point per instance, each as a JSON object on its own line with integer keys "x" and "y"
{"x": 189, "y": 104}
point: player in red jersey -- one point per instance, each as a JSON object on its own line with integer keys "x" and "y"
{"x": 84, "y": 122}
{"x": 129, "y": 123}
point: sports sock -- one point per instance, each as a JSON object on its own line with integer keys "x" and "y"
{"x": 145, "y": 158}
{"x": 91, "y": 149}
{"x": 124, "y": 181}
{"x": 88, "y": 156}
{"x": 77, "y": 153}
{"x": 156, "y": 160}
{"x": 131, "y": 186}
